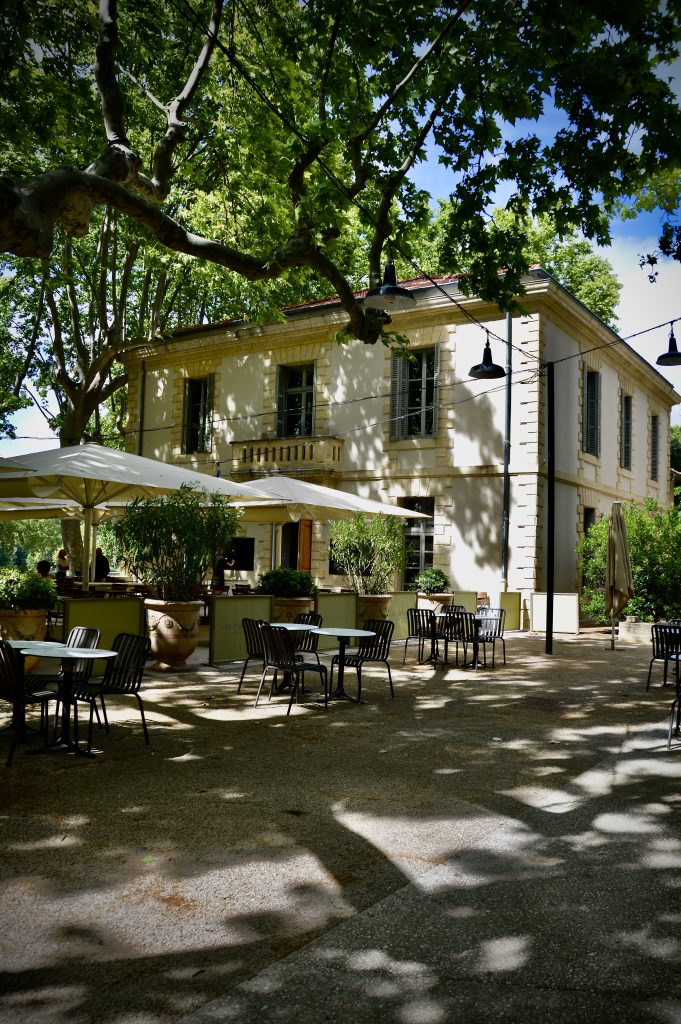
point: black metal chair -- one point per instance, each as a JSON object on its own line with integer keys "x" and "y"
{"x": 491, "y": 622}
{"x": 254, "y": 649}
{"x": 370, "y": 649}
{"x": 280, "y": 655}
{"x": 307, "y": 643}
{"x": 421, "y": 627}
{"x": 666, "y": 641}
{"x": 122, "y": 675}
{"x": 14, "y": 690}
{"x": 459, "y": 627}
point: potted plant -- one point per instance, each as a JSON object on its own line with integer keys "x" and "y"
{"x": 168, "y": 542}
{"x": 433, "y": 589}
{"x": 369, "y": 551}
{"x": 292, "y": 590}
{"x": 25, "y": 600}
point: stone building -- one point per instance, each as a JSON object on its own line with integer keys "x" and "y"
{"x": 249, "y": 400}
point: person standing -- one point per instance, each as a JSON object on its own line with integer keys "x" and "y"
{"x": 62, "y": 563}
{"x": 102, "y": 567}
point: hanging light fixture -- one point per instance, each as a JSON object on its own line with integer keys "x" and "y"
{"x": 672, "y": 357}
{"x": 389, "y": 295}
{"x": 487, "y": 370}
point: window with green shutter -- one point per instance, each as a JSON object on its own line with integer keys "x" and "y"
{"x": 654, "y": 447}
{"x": 625, "y": 431}
{"x": 414, "y": 394}
{"x": 591, "y": 414}
{"x": 198, "y": 415}
{"x": 295, "y": 400}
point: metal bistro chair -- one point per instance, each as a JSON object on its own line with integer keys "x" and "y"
{"x": 370, "y": 649}
{"x": 122, "y": 675}
{"x": 279, "y": 654}
{"x": 307, "y": 643}
{"x": 254, "y": 649}
{"x": 459, "y": 628}
{"x": 421, "y": 627}
{"x": 15, "y": 692}
{"x": 491, "y": 623}
{"x": 666, "y": 641}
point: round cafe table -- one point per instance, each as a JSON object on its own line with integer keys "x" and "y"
{"x": 344, "y": 635}
{"x": 68, "y": 656}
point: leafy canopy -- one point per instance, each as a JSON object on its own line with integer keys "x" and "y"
{"x": 249, "y": 137}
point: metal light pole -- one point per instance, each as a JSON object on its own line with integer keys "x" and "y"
{"x": 506, "y": 499}
{"x": 550, "y": 501}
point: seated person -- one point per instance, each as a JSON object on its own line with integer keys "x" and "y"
{"x": 102, "y": 567}
{"x": 43, "y": 567}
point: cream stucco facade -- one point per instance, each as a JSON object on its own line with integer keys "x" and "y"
{"x": 461, "y": 466}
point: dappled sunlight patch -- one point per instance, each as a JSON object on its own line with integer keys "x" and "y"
{"x": 614, "y": 823}
{"x": 648, "y": 945}
{"x": 185, "y": 757}
{"x": 447, "y": 771}
{"x": 509, "y": 953}
{"x": 553, "y": 801}
{"x": 47, "y": 843}
{"x": 663, "y": 854}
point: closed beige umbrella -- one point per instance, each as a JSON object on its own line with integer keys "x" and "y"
{"x": 618, "y": 580}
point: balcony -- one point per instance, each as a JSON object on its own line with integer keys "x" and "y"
{"x": 320, "y": 457}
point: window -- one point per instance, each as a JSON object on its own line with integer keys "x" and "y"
{"x": 198, "y": 412}
{"x": 654, "y": 447}
{"x": 589, "y": 518}
{"x": 625, "y": 431}
{"x": 414, "y": 394}
{"x": 418, "y": 534}
{"x": 591, "y": 426}
{"x": 295, "y": 401}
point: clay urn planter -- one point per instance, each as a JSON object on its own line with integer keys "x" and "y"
{"x": 25, "y": 600}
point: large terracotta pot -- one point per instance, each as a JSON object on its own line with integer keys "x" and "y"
{"x": 372, "y": 606}
{"x": 28, "y": 624}
{"x": 285, "y": 609}
{"x": 173, "y": 631}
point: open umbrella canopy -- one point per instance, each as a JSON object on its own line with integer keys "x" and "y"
{"x": 292, "y": 499}
{"x": 618, "y": 579}
{"x": 90, "y": 475}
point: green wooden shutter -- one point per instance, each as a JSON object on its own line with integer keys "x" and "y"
{"x": 398, "y": 397}
{"x": 207, "y": 414}
{"x": 281, "y": 400}
{"x": 186, "y": 416}
{"x": 436, "y": 388}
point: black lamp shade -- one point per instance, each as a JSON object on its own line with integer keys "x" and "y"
{"x": 389, "y": 295}
{"x": 672, "y": 357}
{"x": 487, "y": 370}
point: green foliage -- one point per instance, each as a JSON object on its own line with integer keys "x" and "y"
{"x": 521, "y": 240}
{"x": 675, "y": 447}
{"x": 369, "y": 551}
{"x": 37, "y": 538}
{"x": 654, "y": 535}
{"x": 24, "y": 589}
{"x": 431, "y": 581}
{"x": 285, "y": 582}
{"x": 169, "y": 541}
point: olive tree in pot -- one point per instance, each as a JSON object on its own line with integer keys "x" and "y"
{"x": 369, "y": 551}
{"x": 25, "y": 600}
{"x": 292, "y": 591}
{"x": 433, "y": 589}
{"x": 169, "y": 542}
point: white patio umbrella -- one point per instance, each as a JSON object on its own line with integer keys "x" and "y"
{"x": 292, "y": 499}
{"x": 91, "y": 476}
{"x": 618, "y": 579}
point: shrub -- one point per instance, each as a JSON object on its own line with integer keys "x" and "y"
{"x": 24, "y": 589}
{"x": 285, "y": 582}
{"x": 369, "y": 551}
{"x": 431, "y": 581}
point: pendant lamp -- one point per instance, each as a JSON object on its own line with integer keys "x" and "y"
{"x": 389, "y": 295}
{"x": 487, "y": 370}
{"x": 672, "y": 357}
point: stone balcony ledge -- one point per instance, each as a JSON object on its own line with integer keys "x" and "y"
{"x": 321, "y": 456}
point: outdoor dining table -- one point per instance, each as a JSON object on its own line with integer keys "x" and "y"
{"x": 344, "y": 635}
{"x": 434, "y": 656}
{"x": 66, "y": 655}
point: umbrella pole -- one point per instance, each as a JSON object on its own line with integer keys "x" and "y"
{"x": 87, "y": 546}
